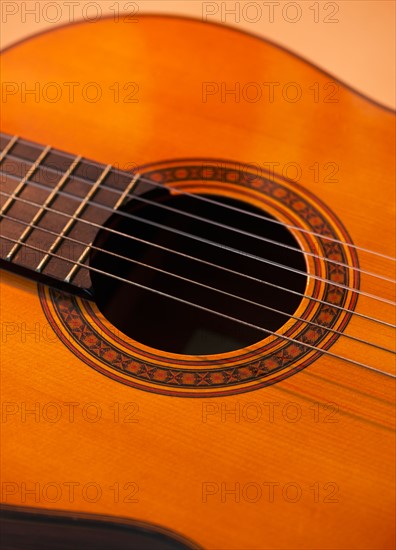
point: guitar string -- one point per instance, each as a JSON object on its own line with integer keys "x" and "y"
{"x": 212, "y": 243}
{"x": 162, "y": 206}
{"x": 199, "y": 197}
{"x": 233, "y": 319}
{"x": 215, "y": 289}
{"x": 63, "y": 154}
{"x": 267, "y": 283}
{"x": 225, "y": 205}
{"x": 347, "y": 411}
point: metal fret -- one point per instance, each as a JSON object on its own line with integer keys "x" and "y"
{"x": 9, "y": 146}
{"x": 39, "y": 214}
{"x": 76, "y": 266}
{"x": 72, "y": 219}
{"x": 7, "y": 205}
{"x": 85, "y": 252}
{"x": 128, "y": 189}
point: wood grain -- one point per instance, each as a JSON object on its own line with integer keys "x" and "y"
{"x": 172, "y": 452}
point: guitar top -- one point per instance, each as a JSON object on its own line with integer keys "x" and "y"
{"x": 197, "y": 297}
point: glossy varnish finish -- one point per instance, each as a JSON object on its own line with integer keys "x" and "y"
{"x": 177, "y": 450}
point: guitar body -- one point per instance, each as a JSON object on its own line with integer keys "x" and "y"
{"x": 298, "y": 457}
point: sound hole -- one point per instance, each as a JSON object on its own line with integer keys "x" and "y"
{"x": 168, "y": 323}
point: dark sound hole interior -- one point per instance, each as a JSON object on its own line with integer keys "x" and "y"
{"x": 170, "y": 325}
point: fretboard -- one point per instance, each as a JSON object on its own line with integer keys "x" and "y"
{"x": 52, "y": 207}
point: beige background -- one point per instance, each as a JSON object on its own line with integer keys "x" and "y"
{"x": 358, "y": 47}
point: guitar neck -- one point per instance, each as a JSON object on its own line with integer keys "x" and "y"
{"x": 52, "y": 206}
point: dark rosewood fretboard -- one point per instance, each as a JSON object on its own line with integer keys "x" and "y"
{"x": 52, "y": 206}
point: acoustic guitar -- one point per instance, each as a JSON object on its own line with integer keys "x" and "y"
{"x": 197, "y": 301}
